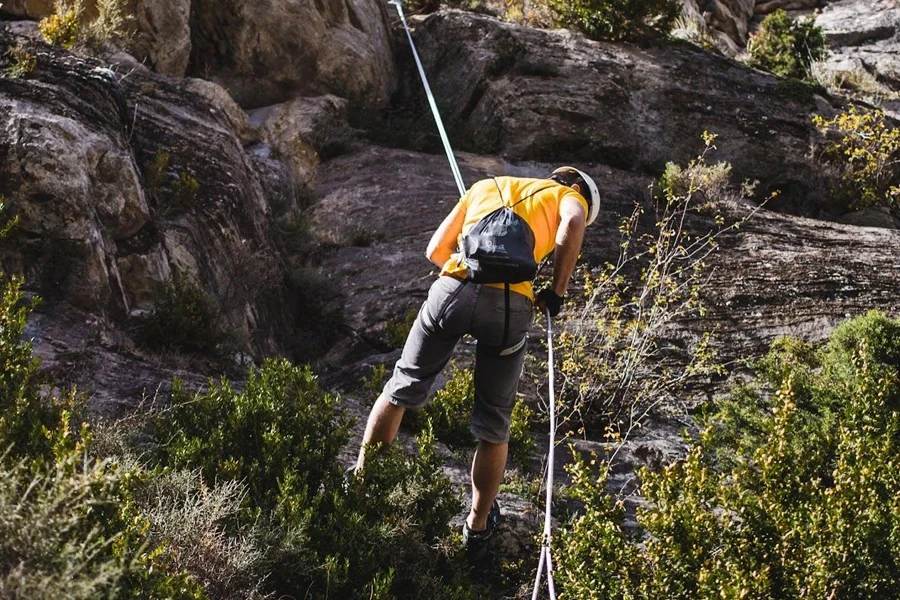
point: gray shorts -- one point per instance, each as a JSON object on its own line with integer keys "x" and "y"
{"x": 455, "y": 308}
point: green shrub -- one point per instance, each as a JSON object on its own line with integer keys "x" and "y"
{"x": 22, "y": 61}
{"x": 867, "y": 154}
{"x": 61, "y": 28}
{"x": 281, "y": 436}
{"x": 396, "y": 332}
{"x": 616, "y": 19}
{"x": 67, "y": 524}
{"x": 66, "y": 531}
{"x": 787, "y": 47}
{"x": 33, "y": 425}
{"x": 373, "y": 383}
{"x": 67, "y": 27}
{"x": 183, "y": 319}
{"x": 791, "y": 491}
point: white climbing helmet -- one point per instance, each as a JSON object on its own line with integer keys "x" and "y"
{"x": 593, "y": 197}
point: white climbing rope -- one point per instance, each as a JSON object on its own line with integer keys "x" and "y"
{"x": 546, "y": 560}
{"x": 457, "y": 176}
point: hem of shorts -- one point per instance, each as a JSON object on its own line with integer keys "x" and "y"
{"x": 487, "y": 438}
{"x": 403, "y": 404}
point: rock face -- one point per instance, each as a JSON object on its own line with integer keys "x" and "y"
{"x": 729, "y": 17}
{"x": 303, "y": 129}
{"x": 777, "y": 275}
{"x": 267, "y": 52}
{"x": 163, "y": 34}
{"x": 864, "y": 38}
{"x": 554, "y": 96}
{"x": 119, "y": 181}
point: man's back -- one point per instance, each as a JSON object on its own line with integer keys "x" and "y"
{"x": 535, "y": 200}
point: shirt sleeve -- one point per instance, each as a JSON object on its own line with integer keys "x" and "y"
{"x": 570, "y": 193}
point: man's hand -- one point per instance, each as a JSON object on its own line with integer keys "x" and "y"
{"x": 547, "y": 299}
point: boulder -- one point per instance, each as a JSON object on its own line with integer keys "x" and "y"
{"x": 163, "y": 34}
{"x": 32, "y": 9}
{"x": 120, "y": 179}
{"x": 302, "y": 130}
{"x": 864, "y": 40}
{"x": 555, "y": 96}
{"x": 266, "y": 52}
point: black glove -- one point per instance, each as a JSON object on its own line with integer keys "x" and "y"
{"x": 547, "y": 299}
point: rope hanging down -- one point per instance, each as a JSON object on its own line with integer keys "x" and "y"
{"x": 457, "y": 176}
{"x": 546, "y": 560}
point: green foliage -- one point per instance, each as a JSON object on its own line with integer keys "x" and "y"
{"x": 67, "y": 525}
{"x": 186, "y": 192}
{"x": 396, "y": 331}
{"x": 791, "y": 494}
{"x": 61, "y": 28}
{"x": 280, "y": 436}
{"x": 66, "y": 531}
{"x": 112, "y": 24}
{"x": 32, "y": 424}
{"x": 611, "y": 373}
{"x": 787, "y": 47}
{"x": 616, "y": 19}
{"x": 374, "y": 382}
{"x": 868, "y": 156}
{"x": 183, "y": 319}
{"x": 155, "y": 173}
{"x": 67, "y": 27}
{"x": 596, "y": 559}
{"x": 22, "y": 61}
{"x": 800, "y": 90}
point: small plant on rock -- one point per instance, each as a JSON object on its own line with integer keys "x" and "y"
{"x": 616, "y": 19}
{"x": 787, "y": 47}
{"x": 183, "y": 319}
{"x": 868, "y": 155}
{"x": 62, "y": 27}
{"x": 612, "y": 372}
{"x": 22, "y": 61}
{"x": 67, "y": 28}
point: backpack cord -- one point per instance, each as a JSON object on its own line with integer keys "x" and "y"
{"x": 545, "y": 559}
{"x": 457, "y": 176}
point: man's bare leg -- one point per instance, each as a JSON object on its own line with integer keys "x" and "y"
{"x": 381, "y": 428}
{"x": 487, "y": 473}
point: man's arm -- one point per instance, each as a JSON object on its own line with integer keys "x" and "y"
{"x": 569, "y": 237}
{"x": 443, "y": 241}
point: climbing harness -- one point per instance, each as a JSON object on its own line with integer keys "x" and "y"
{"x": 546, "y": 560}
{"x": 457, "y": 176}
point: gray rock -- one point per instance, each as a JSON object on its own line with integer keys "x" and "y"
{"x": 553, "y": 95}
{"x": 98, "y": 167}
{"x": 161, "y": 30}
{"x": 864, "y": 38}
{"x": 163, "y": 36}
{"x": 267, "y": 52}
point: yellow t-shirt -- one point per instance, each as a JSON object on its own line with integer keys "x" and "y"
{"x": 540, "y": 211}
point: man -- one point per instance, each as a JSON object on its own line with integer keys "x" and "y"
{"x": 557, "y": 210}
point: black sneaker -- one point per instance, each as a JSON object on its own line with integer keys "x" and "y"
{"x": 476, "y": 542}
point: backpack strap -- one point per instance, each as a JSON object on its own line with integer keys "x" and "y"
{"x": 505, "y": 317}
